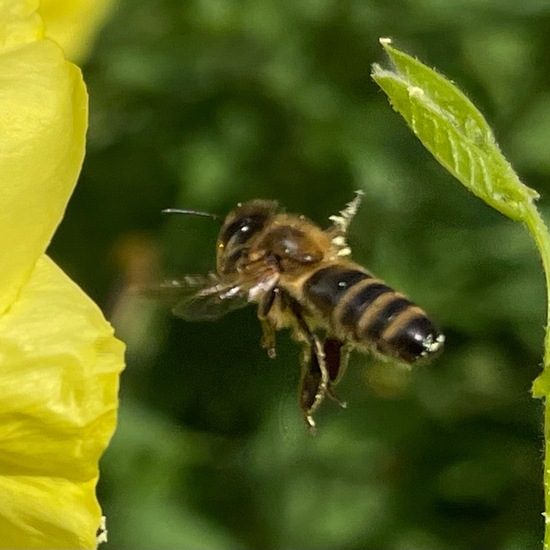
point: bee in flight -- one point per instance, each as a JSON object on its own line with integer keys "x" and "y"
{"x": 302, "y": 278}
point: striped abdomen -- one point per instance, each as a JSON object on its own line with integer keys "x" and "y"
{"x": 369, "y": 312}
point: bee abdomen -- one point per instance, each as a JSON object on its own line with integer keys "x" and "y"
{"x": 371, "y": 313}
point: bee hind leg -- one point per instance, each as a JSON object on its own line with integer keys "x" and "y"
{"x": 341, "y": 222}
{"x": 314, "y": 382}
{"x": 315, "y": 377}
{"x": 336, "y": 359}
{"x": 343, "y": 219}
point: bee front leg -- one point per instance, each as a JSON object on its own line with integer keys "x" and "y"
{"x": 267, "y": 341}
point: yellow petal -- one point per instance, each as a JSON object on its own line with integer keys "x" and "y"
{"x": 59, "y": 383}
{"x": 73, "y": 24}
{"x": 19, "y": 23}
{"x": 43, "y": 119}
{"x": 59, "y": 361}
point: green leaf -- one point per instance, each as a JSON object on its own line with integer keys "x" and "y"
{"x": 453, "y": 130}
{"x": 457, "y": 135}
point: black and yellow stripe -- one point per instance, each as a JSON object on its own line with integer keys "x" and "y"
{"x": 370, "y": 312}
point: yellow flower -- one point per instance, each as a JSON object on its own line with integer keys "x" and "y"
{"x": 59, "y": 361}
{"x": 73, "y": 23}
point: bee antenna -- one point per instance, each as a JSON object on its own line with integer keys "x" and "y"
{"x": 192, "y": 213}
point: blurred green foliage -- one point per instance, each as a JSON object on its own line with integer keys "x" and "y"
{"x": 204, "y": 103}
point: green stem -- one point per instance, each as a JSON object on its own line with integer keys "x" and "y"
{"x": 538, "y": 230}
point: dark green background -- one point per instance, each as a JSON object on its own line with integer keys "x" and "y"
{"x": 204, "y": 103}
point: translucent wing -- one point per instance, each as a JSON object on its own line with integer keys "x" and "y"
{"x": 207, "y": 297}
{"x": 199, "y": 297}
{"x": 212, "y": 302}
{"x": 174, "y": 291}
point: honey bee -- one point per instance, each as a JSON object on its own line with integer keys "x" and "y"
{"x": 302, "y": 278}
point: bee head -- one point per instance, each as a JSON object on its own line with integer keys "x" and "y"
{"x": 240, "y": 225}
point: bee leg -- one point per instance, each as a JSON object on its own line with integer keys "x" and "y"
{"x": 314, "y": 382}
{"x": 336, "y": 359}
{"x": 342, "y": 220}
{"x": 341, "y": 223}
{"x": 267, "y": 341}
{"x": 315, "y": 377}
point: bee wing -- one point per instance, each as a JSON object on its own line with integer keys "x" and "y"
{"x": 197, "y": 297}
{"x": 212, "y": 302}
{"x": 207, "y": 297}
{"x": 175, "y": 290}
